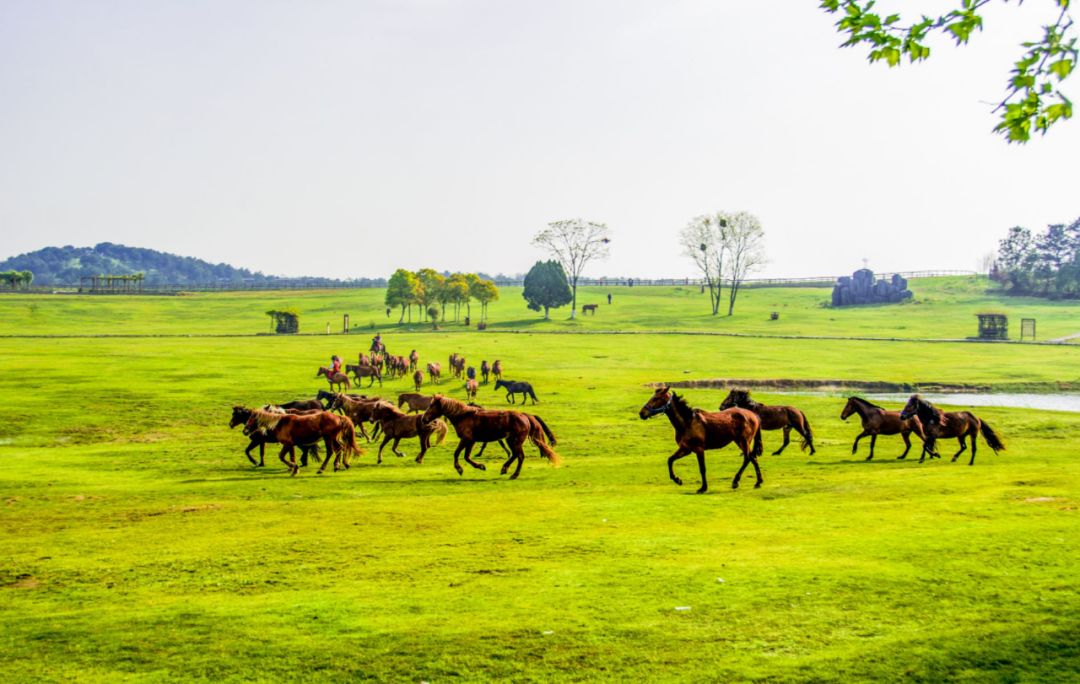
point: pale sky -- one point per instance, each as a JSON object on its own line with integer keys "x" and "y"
{"x": 351, "y": 138}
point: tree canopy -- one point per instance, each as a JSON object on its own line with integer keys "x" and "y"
{"x": 574, "y": 243}
{"x": 546, "y": 287}
{"x": 1033, "y": 100}
{"x": 1046, "y": 265}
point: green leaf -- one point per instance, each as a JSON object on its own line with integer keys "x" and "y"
{"x": 1061, "y": 68}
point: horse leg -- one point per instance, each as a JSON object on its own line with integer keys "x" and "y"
{"x": 700, "y": 453}
{"x": 247, "y": 452}
{"x": 757, "y": 471}
{"x": 292, "y": 460}
{"x": 906, "y": 436}
{"x": 974, "y": 436}
{"x": 393, "y": 447}
{"x": 457, "y": 452}
{"x": 330, "y": 451}
{"x": 873, "y": 440}
{"x": 855, "y": 446}
{"x": 679, "y": 453}
{"x": 963, "y": 448}
{"x": 738, "y": 475}
{"x": 386, "y": 439}
{"x": 468, "y": 459}
{"x": 787, "y": 440}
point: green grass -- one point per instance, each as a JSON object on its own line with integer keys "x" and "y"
{"x": 140, "y": 545}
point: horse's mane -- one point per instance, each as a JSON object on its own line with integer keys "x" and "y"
{"x": 863, "y": 402}
{"x": 271, "y": 408}
{"x": 452, "y": 408}
{"x": 681, "y": 407}
{"x": 266, "y": 420}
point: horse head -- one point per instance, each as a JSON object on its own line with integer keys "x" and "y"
{"x": 849, "y": 408}
{"x": 913, "y": 405}
{"x": 735, "y": 398}
{"x": 658, "y": 403}
{"x": 240, "y": 415}
{"x": 434, "y": 409}
{"x": 499, "y": 384}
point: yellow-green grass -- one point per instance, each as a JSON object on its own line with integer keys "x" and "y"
{"x": 141, "y": 545}
{"x": 943, "y": 308}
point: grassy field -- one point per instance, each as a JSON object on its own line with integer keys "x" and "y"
{"x": 142, "y": 546}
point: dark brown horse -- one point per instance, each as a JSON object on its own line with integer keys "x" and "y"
{"x": 697, "y": 431}
{"x": 333, "y": 378}
{"x": 240, "y": 416}
{"x": 418, "y": 379}
{"x": 457, "y": 365}
{"x": 434, "y": 372}
{"x": 786, "y": 418}
{"x": 473, "y": 424}
{"x": 878, "y": 421}
{"x": 414, "y": 360}
{"x": 290, "y": 431}
{"x": 485, "y": 370}
{"x": 398, "y": 426}
{"x": 416, "y": 402}
{"x": 359, "y": 411}
{"x": 497, "y": 369}
{"x": 361, "y": 371}
{"x": 958, "y": 424}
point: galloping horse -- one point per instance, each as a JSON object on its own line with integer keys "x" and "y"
{"x": 416, "y": 402}
{"x": 787, "y": 418}
{"x": 398, "y": 426}
{"x": 337, "y": 433}
{"x": 958, "y": 424}
{"x": 877, "y": 421}
{"x": 470, "y": 389}
{"x": 338, "y": 379}
{"x": 497, "y": 369}
{"x": 240, "y": 416}
{"x": 359, "y": 411}
{"x": 303, "y": 404}
{"x": 512, "y": 388}
{"x": 485, "y": 369}
{"x": 435, "y": 372}
{"x": 365, "y": 371}
{"x": 697, "y": 430}
{"x": 474, "y": 424}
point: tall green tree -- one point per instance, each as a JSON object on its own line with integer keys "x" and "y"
{"x": 1033, "y": 100}
{"x": 432, "y": 283}
{"x": 402, "y": 290}
{"x": 546, "y": 287}
{"x": 485, "y": 292}
{"x": 456, "y": 292}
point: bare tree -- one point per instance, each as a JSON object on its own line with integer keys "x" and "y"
{"x": 702, "y": 240}
{"x": 744, "y": 238}
{"x": 574, "y": 243}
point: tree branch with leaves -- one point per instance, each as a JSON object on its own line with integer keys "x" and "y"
{"x": 574, "y": 243}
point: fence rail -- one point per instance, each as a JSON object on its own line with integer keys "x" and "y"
{"x": 327, "y": 284}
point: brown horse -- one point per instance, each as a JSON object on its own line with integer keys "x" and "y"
{"x": 398, "y": 426}
{"x": 435, "y": 372}
{"x": 333, "y": 378}
{"x": 786, "y": 418}
{"x": 240, "y": 416}
{"x": 485, "y": 370}
{"x": 361, "y": 371}
{"x": 470, "y": 389}
{"x": 457, "y": 365}
{"x": 416, "y": 402}
{"x": 337, "y": 433}
{"x": 877, "y": 421}
{"x": 497, "y": 369}
{"x": 697, "y": 431}
{"x": 418, "y": 379}
{"x": 473, "y": 424}
{"x": 958, "y": 424}
{"x": 414, "y": 360}
{"x": 359, "y": 412}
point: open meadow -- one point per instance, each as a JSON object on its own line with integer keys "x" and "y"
{"x": 140, "y": 544}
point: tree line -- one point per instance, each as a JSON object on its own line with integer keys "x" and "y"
{"x": 1046, "y": 264}
{"x": 431, "y": 292}
{"x": 16, "y": 280}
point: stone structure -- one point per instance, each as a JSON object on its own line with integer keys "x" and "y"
{"x": 860, "y": 288}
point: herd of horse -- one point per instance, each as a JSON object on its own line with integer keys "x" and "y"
{"x": 334, "y": 418}
{"x": 741, "y": 420}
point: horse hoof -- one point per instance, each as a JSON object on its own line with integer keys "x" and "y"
{"x": 677, "y": 481}
{"x": 868, "y": 458}
{"x": 777, "y": 453}
{"x": 459, "y": 470}
{"x": 514, "y": 476}
{"x": 757, "y": 486}
{"x": 702, "y": 490}
{"x": 735, "y": 485}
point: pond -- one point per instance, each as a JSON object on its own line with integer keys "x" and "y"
{"x": 1050, "y": 402}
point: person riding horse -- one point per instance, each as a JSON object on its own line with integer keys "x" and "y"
{"x": 376, "y": 343}
{"x": 335, "y": 363}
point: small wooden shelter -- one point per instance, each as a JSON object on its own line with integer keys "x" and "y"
{"x": 284, "y": 321}
{"x": 993, "y": 326}
{"x": 112, "y": 284}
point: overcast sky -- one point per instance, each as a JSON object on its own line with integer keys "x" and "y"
{"x": 352, "y": 138}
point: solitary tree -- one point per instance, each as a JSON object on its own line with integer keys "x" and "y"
{"x": 574, "y": 243}
{"x": 546, "y": 287}
{"x": 485, "y": 292}
{"x": 1032, "y": 101}
{"x": 702, "y": 240}
{"x": 403, "y": 289}
{"x": 744, "y": 242}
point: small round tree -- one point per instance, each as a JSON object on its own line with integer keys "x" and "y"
{"x": 546, "y": 287}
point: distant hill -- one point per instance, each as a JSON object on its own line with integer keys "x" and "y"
{"x": 59, "y": 266}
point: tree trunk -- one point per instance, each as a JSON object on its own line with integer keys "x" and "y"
{"x": 731, "y": 300}
{"x": 400, "y": 320}
{"x": 573, "y": 305}
{"x": 546, "y": 316}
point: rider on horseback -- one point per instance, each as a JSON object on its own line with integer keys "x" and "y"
{"x": 335, "y": 364}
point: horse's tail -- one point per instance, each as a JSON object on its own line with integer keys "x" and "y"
{"x": 992, "y": 440}
{"x": 547, "y": 431}
{"x": 440, "y": 431}
{"x": 532, "y": 394}
{"x": 808, "y": 436}
{"x": 347, "y": 439}
{"x": 537, "y": 438}
{"x": 348, "y": 383}
{"x": 758, "y": 449}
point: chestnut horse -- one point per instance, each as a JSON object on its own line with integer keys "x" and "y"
{"x": 240, "y": 416}
{"x": 697, "y": 431}
{"x": 359, "y": 411}
{"x": 470, "y": 389}
{"x": 787, "y": 418}
{"x": 416, "y": 402}
{"x": 337, "y": 433}
{"x": 414, "y": 360}
{"x": 473, "y": 424}
{"x": 497, "y": 369}
{"x": 959, "y": 424}
{"x": 398, "y": 426}
{"x": 338, "y": 379}
{"x": 435, "y": 371}
{"x": 877, "y": 421}
{"x": 366, "y": 370}
{"x": 418, "y": 379}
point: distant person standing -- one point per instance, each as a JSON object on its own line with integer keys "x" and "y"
{"x": 609, "y": 298}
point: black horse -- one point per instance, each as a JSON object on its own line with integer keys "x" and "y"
{"x": 512, "y": 388}
{"x": 959, "y": 424}
{"x": 240, "y": 416}
{"x": 305, "y": 404}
